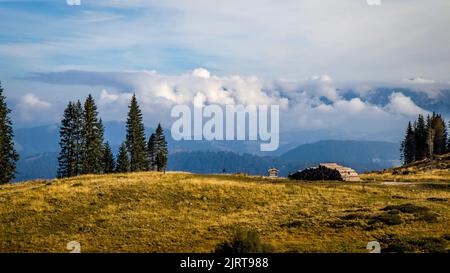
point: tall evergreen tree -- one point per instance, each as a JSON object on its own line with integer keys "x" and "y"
{"x": 408, "y": 145}
{"x": 430, "y": 136}
{"x": 161, "y": 149}
{"x": 151, "y": 151}
{"x": 93, "y": 132}
{"x": 70, "y": 156}
{"x": 420, "y": 133}
{"x": 78, "y": 136}
{"x": 123, "y": 162}
{"x": 8, "y": 154}
{"x": 135, "y": 138}
{"x": 108, "y": 164}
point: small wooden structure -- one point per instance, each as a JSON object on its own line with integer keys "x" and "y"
{"x": 327, "y": 171}
{"x": 273, "y": 172}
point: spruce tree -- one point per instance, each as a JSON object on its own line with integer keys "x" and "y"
{"x": 161, "y": 149}
{"x": 135, "y": 138}
{"x": 8, "y": 154}
{"x": 151, "y": 151}
{"x": 408, "y": 145}
{"x": 93, "y": 132}
{"x": 123, "y": 162}
{"x": 70, "y": 155}
{"x": 108, "y": 164}
{"x": 78, "y": 137}
{"x": 420, "y": 133}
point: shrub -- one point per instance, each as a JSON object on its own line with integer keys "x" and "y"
{"x": 435, "y": 186}
{"x": 354, "y": 216}
{"x": 407, "y": 208}
{"x": 398, "y": 244}
{"x": 390, "y": 218}
{"x": 399, "y": 197}
{"x": 437, "y": 199}
{"x": 428, "y": 217}
{"x": 430, "y": 244}
{"x": 244, "y": 242}
{"x": 292, "y": 224}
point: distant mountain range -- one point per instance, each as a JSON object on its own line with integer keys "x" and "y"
{"x": 39, "y": 151}
{"x": 345, "y": 151}
{"x": 439, "y": 103}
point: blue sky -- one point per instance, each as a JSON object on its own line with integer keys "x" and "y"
{"x": 51, "y": 52}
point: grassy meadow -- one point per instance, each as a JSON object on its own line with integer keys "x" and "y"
{"x": 182, "y": 212}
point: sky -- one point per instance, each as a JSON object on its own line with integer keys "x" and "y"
{"x": 293, "y": 53}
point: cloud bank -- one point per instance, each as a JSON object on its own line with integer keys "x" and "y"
{"x": 316, "y": 103}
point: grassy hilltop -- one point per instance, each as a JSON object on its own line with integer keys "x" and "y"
{"x": 436, "y": 169}
{"x": 181, "y": 212}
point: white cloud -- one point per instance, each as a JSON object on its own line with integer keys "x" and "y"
{"x": 32, "y": 108}
{"x": 201, "y": 73}
{"x": 401, "y": 104}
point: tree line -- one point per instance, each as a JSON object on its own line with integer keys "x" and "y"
{"x": 425, "y": 138}
{"x": 84, "y": 150}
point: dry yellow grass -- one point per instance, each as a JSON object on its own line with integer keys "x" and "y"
{"x": 180, "y": 212}
{"x": 433, "y": 175}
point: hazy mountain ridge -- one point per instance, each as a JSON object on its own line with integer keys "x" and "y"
{"x": 360, "y": 155}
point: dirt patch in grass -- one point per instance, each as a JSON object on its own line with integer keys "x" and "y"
{"x": 392, "y": 183}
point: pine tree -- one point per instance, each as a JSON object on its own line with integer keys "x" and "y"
{"x": 93, "y": 132}
{"x": 78, "y": 137}
{"x": 151, "y": 151}
{"x": 161, "y": 149}
{"x": 108, "y": 164}
{"x": 408, "y": 145}
{"x": 123, "y": 162}
{"x": 420, "y": 133}
{"x": 69, "y": 160}
{"x": 135, "y": 138}
{"x": 8, "y": 154}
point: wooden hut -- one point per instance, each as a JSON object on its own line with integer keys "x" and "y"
{"x": 272, "y": 172}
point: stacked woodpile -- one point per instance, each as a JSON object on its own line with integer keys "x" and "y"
{"x": 326, "y": 171}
